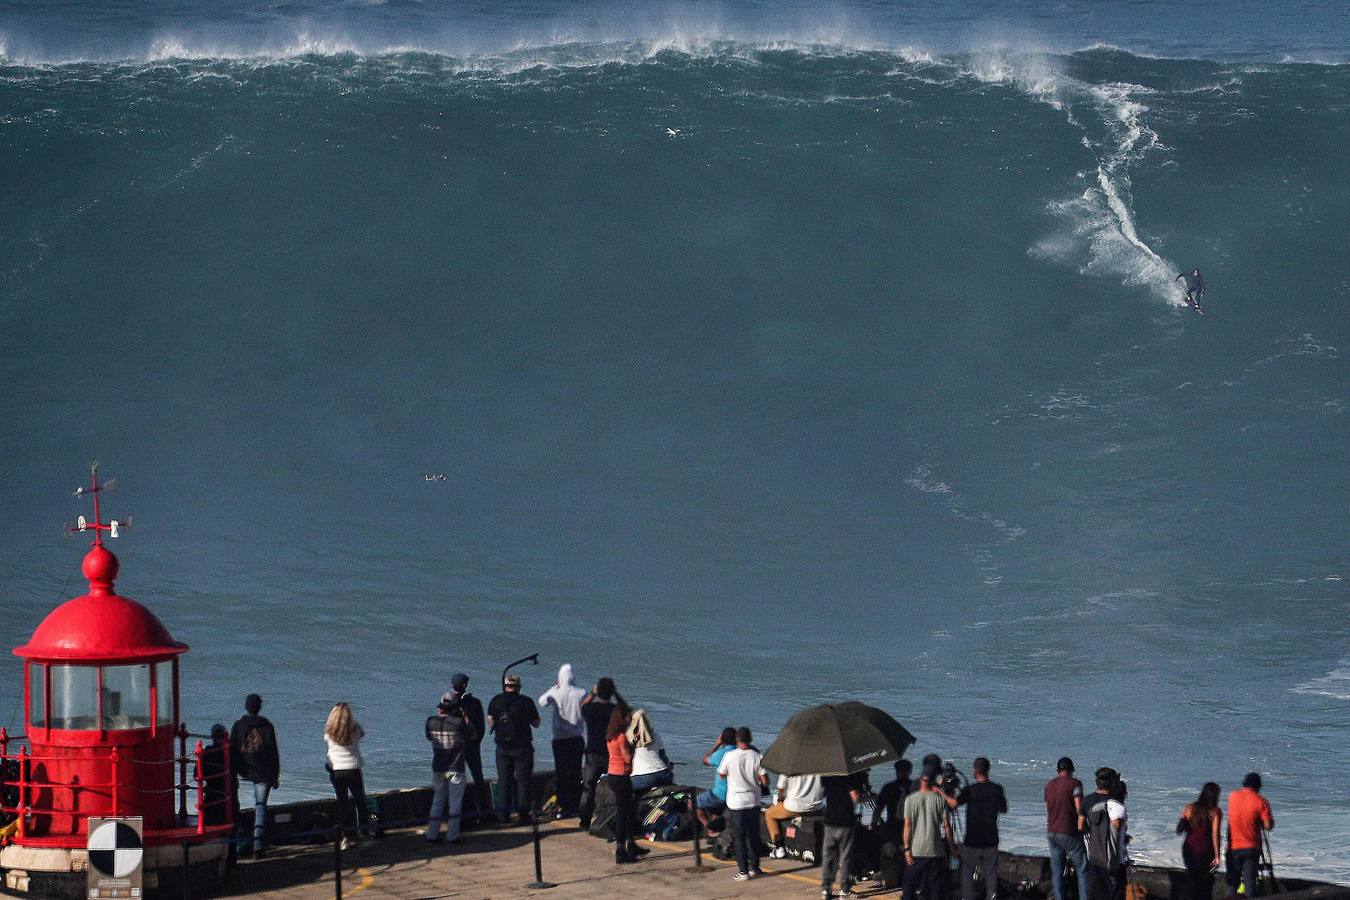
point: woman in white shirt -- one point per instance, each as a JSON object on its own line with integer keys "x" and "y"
{"x": 651, "y": 767}
{"x": 343, "y": 736}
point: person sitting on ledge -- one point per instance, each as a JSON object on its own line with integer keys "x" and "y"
{"x": 797, "y": 795}
{"x": 651, "y": 767}
{"x": 713, "y": 802}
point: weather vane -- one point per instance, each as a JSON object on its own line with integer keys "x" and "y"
{"x": 82, "y": 524}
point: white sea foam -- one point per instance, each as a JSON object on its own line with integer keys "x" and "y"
{"x": 1335, "y": 684}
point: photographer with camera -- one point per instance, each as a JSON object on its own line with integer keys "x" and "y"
{"x": 450, "y": 733}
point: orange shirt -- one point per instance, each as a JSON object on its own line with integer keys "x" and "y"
{"x": 1248, "y": 813}
{"x": 617, "y": 764}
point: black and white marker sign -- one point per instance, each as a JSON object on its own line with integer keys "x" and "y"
{"x": 115, "y": 856}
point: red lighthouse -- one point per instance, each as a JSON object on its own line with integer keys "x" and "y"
{"x": 105, "y": 738}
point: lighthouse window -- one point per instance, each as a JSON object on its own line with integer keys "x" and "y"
{"x": 126, "y": 697}
{"x": 164, "y": 692}
{"x": 75, "y": 698}
{"x": 37, "y": 695}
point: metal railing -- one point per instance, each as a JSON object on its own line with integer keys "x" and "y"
{"x": 38, "y": 797}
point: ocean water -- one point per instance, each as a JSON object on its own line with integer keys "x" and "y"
{"x": 771, "y": 355}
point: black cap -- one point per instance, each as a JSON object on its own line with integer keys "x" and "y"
{"x": 1064, "y": 765}
{"x": 930, "y": 773}
{"x": 460, "y": 681}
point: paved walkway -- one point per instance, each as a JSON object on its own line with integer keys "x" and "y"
{"x": 500, "y": 862}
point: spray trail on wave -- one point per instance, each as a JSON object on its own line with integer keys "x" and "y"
{"x": 1097, "y": 232}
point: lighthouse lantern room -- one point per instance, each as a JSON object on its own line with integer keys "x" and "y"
{"x": 104, "y": 735}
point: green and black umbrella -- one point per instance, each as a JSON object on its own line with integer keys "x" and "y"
{"x": 837, "y": 739}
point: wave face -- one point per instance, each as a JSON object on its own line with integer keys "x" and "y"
{"x": 849, "y": 371}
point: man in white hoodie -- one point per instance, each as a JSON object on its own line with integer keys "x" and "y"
{"x": 569, "y": 739}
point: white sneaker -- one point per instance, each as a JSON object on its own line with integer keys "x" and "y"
{"x": 778, "y": 853}
{"x": 741, "y": 876}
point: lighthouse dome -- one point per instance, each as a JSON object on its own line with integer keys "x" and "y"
{"x": 100, "y": 626}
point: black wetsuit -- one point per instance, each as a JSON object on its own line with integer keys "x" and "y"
{"x": 1195, "y": 286}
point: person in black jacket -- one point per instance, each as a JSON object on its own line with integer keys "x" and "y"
{"x": 253, "y": 746}
{"x": 473, "y": 751}
{"x": 512, "y": 717}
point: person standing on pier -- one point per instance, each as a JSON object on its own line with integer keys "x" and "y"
{"x": 841, "y": 795}
{"x": 342, "y": 733}
{"x": 596, "y": 710}
{"x": 512, "y": 717}
{"x": 569, "y": 739}
{"x": 927, "y": 838}
{"x": 743, "y": 768}
{"x": 473, "y": 752}
{"x": 1202, "y": 823}
{"x": 984, "y": 801}
{"x": 1064, "y": 828}
{"x": 1105, "y": 817}
{"x": 620, "y": 776}
{"x": 449, "y": 732}
{"x": 253, "y": 744}
{"x": 1248, "y": 814}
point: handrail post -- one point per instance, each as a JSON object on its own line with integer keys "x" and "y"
{"x": 539, "y": 883}
{"x": 182, "y": 772}
{"x": 23, "y": 792}
{"x": 116, "y": 779}
{"x": 337, "y": 859}
{"x": 201, "y": 792}
{"x": 228, "y": 786}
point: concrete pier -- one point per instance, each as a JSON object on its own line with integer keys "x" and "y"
{"x": 498, "y": 863}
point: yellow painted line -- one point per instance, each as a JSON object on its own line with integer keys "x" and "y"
{"x": 680, "y": 848}
{"x": 367, "y": 879}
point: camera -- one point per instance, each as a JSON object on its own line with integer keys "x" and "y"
{"x": 951, "y": 781}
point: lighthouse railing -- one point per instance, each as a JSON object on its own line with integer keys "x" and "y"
{"x": 32, "y": 796}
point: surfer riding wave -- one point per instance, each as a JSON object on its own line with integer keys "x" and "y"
{"x": 1195, "y": 289}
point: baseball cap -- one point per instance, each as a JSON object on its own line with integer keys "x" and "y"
{"x": 930, "y": 773}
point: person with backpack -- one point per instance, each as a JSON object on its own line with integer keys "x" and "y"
{"x": 256, "y": 759}
{"x": 512, "y": 718}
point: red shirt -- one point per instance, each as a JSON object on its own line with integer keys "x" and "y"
{"x": 1060, "y": 815}
{"x": 1248, "y": 813}
{"x": 618, "y": 765}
